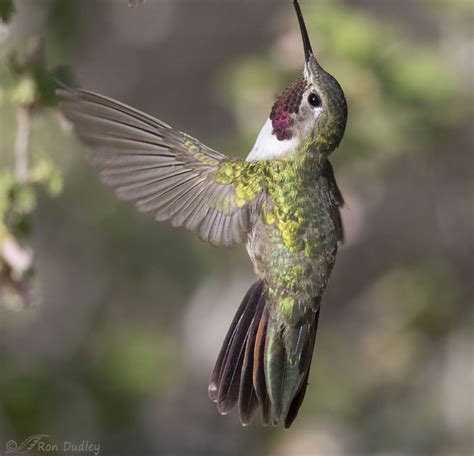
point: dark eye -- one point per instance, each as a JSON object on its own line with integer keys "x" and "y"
{"x": 314, "y": 100}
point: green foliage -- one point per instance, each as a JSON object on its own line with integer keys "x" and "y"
{"x": 28, "y": 87}
{"x": 46, "y": 174}
{"x": 7, "y": 9}
{"x": 34, "y": 83}
{"x": 18, "y": 200}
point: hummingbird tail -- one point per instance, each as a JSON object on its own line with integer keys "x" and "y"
{"x": 288, "y": 356}
{"x": 256, "y": 366}
{"x": 231, "y": 380}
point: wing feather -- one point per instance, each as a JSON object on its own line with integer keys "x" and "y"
{"x": 163, "y": 170}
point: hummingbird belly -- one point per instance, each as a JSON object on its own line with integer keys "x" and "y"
{"x": 293, "y": 246}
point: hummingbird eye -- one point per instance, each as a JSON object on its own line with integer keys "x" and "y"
{"x": 314, "y": 100}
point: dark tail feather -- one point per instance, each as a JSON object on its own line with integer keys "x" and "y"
{"x": 223, "y": 354}
{"x": 259, "y": 368}
{"x": 225, "y": 379}
{"x": 248, "y": 400}
{"x": 298, "y": 400}
{"x": 259, "y": 360}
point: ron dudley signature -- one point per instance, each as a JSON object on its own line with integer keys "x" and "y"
{"x": 41, "y": 443}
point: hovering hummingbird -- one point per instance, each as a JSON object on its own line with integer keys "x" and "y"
{"x": 282, "y": 201}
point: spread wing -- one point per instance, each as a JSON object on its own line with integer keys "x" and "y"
{"x": 164, "y": 171}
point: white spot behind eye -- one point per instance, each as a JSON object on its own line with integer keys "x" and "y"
{"x": 317, "y": 111}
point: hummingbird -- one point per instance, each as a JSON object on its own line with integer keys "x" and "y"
{"x": 283, "y": 202}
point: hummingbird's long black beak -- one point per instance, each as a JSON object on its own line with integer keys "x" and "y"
{"x": 304, "y": 33}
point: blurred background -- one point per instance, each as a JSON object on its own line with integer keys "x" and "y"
{"x": 110, "y": 323}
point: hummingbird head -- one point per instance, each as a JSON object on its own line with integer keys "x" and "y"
{"x": 312, "y": 111}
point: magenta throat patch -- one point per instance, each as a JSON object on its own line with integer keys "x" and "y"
{"x": 286, "y": 104}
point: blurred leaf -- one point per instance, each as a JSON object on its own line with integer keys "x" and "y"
{"x": 35, "y": 83}
{"x": 24, "y": 93}
{"x": 47, "y": 81}
{"x": 7, "y": 9}
{"x": 23, "y": 198}
{"x": 7, "y": 180}
{"x": 45, "y": 173}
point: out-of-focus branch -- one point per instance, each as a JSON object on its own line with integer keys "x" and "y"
{"x": 22, "y": 142}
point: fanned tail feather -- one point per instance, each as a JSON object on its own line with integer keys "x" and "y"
{"x": 308, "y": 354}
{"x": 262, "y": 364}
{"x": 248, "y": 399}
{"x": 225, "y": 380}
{"x": 259, "y": 368}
